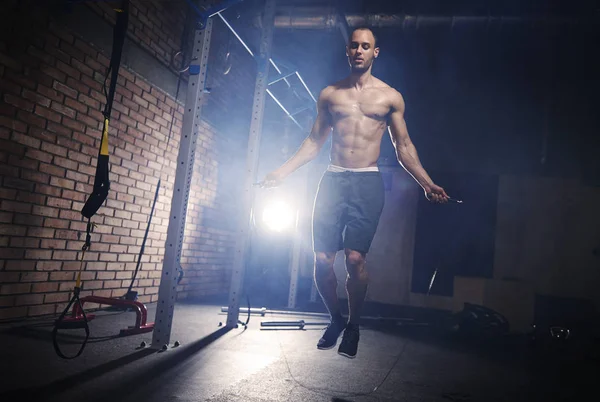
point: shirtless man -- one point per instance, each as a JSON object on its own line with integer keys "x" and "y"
{"x": 350, "y": 197}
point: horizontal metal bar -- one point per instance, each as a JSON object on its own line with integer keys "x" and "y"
{"x": 282, "y": 78}
{"x": 305, "y": 86}
{"x": 283, "y": 108}
{"x": 279, "y": 72}
{"x": 235, "y": 33}
{"x": 300, "y": 111}
{"x": 300, "y": 323}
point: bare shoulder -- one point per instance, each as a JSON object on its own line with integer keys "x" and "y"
{"x": 326, "y": 93}
{"x": 395, "y": 98}
{"x": 393, "y": 95}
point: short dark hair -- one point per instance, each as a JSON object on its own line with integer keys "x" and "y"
{"x": 363, "y": 28}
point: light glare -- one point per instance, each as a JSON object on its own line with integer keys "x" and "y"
{"x": 278, "y": 216}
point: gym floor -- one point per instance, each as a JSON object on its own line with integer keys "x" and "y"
{"x": 394, "y": 363}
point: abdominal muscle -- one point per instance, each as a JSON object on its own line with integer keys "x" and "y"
{"x": 356, "y": 142}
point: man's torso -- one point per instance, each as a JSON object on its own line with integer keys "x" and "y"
{"x": 359, "y": 119}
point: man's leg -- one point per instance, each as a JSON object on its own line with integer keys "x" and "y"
{"x": 327, "y": 285}
{"x": 326, "y": 281}
{"x": 356, "y": 283}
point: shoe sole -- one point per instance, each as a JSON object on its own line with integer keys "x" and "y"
{"x": 326, "y": 348}
{"x": 346, "y": 355}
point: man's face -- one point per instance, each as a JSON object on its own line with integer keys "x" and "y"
{"x": 361, "y": 50}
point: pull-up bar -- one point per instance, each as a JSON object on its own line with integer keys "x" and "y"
{"x": 285, "y": 78}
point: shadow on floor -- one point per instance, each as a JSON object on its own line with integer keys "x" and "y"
{"x": 54, "y": 389}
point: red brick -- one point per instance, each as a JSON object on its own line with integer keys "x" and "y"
{"x": 7, "y": 301}
{"x": 14, "y": 288}
{"x": 84, "y": 138}
{"x": 52, "y": 170}
{"x": 11, "y": 194}
{"x": 94, "y": 104}
{"x": 13, "y": 124}
{"x": 35, "y": 176}
{"x": 24, "y": 80}
{"x": 66, "y": 163}
{"x": 18, "y": 102}
{"x": 134, "y": 88}
{"x": 40, "y": 232}
{"x": 28, "y": 219}
{"x": 57, "y": 223}
{"x": 62, "y": 276}
{"x": 11, "y": 253}
{"x": 126, "y": 94}
{"x": 58, "y": 202}
{"x": 10, "y": 230}
{"x": 31, "y": 119}
{"x": 57, "y": 297}
{"x": 64, "y": 256}
{"x": 62, "y": 183}
{"x": 53, "y": 244}
{"x": 36, "y": 98}
{"x": 24, "y": 242}
{"x": 10, "y": 87}
{"x": 70, "y": 71}
{"x": 48, "y": 114}
{"x": 59, "y": 129}
{"x": 34, "y": 277}
{"x": 53, "y": 72}
{"x": 44, "y": 211}
{"x": 72, "y": 215}
{"x": 80, "y": 107}
{"x": 44, "y": 287}
{"x": 26, "y": 163}
{"x": 59, "y": 53}
{"x": 15, "y": 206}
{"x": 87, "y": 49}
{"x": 38, "y": 155}
{"x": 54, "y": 149}
{"x": 37, "y": 255}
{"x": 41, "y": 310}
{"x": 67, "y": 111}
{"x": 10, "y": 62}
{"x": 6, "y": 217}
{"x": 75, "y": 125}
{"x": 52, "y": 94}
{"x": 94, "y": 85}
{"x": 6, "y": 277}
{"x": 48, "y": 190}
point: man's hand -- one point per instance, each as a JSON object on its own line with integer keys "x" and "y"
{"x": 273, "y": 179}
{"x": 436, "y": 194}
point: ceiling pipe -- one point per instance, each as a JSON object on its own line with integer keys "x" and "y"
{"x": 327, "y": 18}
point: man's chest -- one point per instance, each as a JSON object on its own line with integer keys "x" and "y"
{"x": 372, "y": 104}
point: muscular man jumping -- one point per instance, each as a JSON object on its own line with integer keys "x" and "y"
{"x": 350, "y": 197}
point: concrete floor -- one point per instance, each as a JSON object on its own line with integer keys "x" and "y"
{"x": 213, "y": 364}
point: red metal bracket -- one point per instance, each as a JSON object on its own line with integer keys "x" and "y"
{"x": 141, "y": 313}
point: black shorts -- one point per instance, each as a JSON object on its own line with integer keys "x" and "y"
{"x": 346, "y": 211}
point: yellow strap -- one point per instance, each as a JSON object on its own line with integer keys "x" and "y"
{"x": 78, "y": 281}
{"x": 104, "y": 145}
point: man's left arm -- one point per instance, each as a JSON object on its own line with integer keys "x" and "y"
{"x": 406, "y": 152}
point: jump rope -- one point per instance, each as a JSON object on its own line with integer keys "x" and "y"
{"x": 328, "y": 391}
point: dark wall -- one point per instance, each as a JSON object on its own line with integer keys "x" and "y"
{"x": 517, "y": 101}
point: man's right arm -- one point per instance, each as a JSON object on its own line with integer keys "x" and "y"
{"x": 312, "y": 145}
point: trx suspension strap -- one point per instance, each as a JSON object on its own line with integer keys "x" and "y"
{"x": 101, "y": 183}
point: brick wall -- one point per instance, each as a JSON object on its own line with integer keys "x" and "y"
{"x": 50, "y": 120}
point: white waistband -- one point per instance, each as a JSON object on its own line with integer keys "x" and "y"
{"x": 339, "y": 169}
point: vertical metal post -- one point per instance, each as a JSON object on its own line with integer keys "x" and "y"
{"x": 167, "y": 291}
{"x": 239, "y": 259}
{"x": 297, "y": 247}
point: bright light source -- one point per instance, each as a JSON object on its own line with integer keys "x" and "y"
{"x": 278, "y": 216}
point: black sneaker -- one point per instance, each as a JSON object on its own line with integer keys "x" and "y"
{"x": 349, "y": 344}
{"x": 331, "y": 335}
